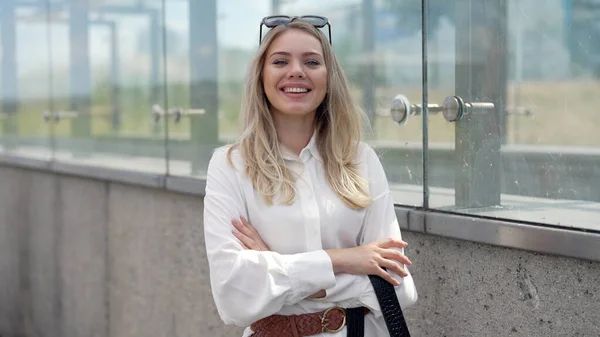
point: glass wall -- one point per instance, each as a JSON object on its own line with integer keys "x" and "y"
{"x": 511, "y": 91}
{"x": 110, "y": 61}
{"x": 210, "y": 46}
{"x": 380, "y": 52}
{"x": 25, "y": 88}
{"x": 518, "y": 83}
{"x": 197, "y": 97}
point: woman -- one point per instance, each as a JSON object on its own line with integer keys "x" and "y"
{"x": 298, "y": 211}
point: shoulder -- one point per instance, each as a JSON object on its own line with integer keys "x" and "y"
{"x": 226, "y": 158}
{"x": 367, "y": 156}
{"x": 223, "y": 174}
{"x": 370, "y": 165}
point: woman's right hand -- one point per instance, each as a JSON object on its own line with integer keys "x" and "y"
{"x": 371, "y": 258}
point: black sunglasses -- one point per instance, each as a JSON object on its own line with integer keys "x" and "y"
{"x": 277, "y": 20}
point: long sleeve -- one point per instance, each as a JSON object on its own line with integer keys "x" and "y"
{"x": 249, "y": 285}
{"x": 380, "y": 222}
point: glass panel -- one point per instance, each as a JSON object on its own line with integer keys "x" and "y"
{"x": 196, "y": 93}
{"x": 25, "y": 85}
{"x": 378, "y": 44}
{"x": 526, "y": 80}
{"x": 108, "y": 71}
{"x": 380, "y": 54}
{"x": 209, "y": 45}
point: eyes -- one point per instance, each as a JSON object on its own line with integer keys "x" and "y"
{"x": 282, "y": 62}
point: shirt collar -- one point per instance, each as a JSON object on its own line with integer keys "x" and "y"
{"x": 309, "y": 150}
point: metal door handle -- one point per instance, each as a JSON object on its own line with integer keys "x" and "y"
{"x": 56, "y": 116}
{"x": 453, "y": 108}
{"x": 156, "y": 113}
{"x": 176, "y": 112}
{"x": 402, "y": 109}
{"x": 179, "y": 112}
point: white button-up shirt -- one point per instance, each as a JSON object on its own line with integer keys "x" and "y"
{"x": 248, "y": 285}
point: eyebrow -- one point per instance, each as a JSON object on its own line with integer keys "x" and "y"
{"x": 308, "y": 53}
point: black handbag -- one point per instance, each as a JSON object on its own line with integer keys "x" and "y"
{"x": 390, "y": 307}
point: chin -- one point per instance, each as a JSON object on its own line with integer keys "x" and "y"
{"x": 297, "y": 110}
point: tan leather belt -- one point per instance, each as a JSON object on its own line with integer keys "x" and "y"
{"x": 330, "y": 320}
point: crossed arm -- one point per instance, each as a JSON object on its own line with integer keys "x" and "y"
{"x": 367, "y": 259}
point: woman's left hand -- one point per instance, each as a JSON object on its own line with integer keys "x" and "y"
{"x": 247, "y": 235}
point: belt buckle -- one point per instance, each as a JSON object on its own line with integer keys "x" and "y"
{"x": 324, "y": 320}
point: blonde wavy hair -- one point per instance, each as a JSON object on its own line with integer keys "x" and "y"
{"x": 338, "y": 123}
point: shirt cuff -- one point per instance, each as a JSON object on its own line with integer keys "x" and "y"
{"x": 310, "y": 272}
{"x": 348, "y": 290}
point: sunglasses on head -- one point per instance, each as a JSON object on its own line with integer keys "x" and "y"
{"x": 277, "y": 20}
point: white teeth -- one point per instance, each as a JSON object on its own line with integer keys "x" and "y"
{"x": 295, "y": 90}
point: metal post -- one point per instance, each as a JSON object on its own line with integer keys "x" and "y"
{"x": 480, "y": 77}
{"x": 114, "y": 76}
{"x": 499, "y": 58}
{"x": 368, "y": 85}
{"x": 155, "y": 54}
{"x": 425, "y": 115}
{"x": 518, "y": 72}
{"x": 10, "y": 95}
{"x": 204, "y": 131}
{"x": 80, "y": 77}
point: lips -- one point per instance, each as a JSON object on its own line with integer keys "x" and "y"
{"x": 295, "y": 90}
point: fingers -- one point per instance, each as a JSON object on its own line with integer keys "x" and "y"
{"x": 392, "y": 254}
{"x": 246, "y": 223}
{"x": 386, "y": 276}
{"x": 247, "y": 235}
{"x": 243, "y": 226}
{"x": 247, "y": 242}
{"x": 391, "y": 243}
{"x": 392, "y": 266}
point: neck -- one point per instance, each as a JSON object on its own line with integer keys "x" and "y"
{"x": 294, "y": 132}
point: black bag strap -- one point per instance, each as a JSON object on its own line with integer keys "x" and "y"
{"x": 355, "y": 322}
{"x": 390, "y": 307}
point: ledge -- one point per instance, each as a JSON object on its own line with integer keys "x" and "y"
{"x": 576, "y": 243}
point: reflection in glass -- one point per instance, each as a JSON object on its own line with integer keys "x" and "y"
{"x": 109, "y": 84}
{"x": 25, "y": 88}
{"x": 136, "y": 86}
{"x": 533, "y": 156}
{"x": 380, "y": 55}
{"x": 193, "y": 58}
{"x": 209, "y": 49}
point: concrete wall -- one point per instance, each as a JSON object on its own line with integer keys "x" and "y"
{"x": 83, "y": 257}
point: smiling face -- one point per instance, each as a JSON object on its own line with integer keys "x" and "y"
{"x": 294, "y": 74}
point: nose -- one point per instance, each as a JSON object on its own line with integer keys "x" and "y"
{"x": 296, "y": 70}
